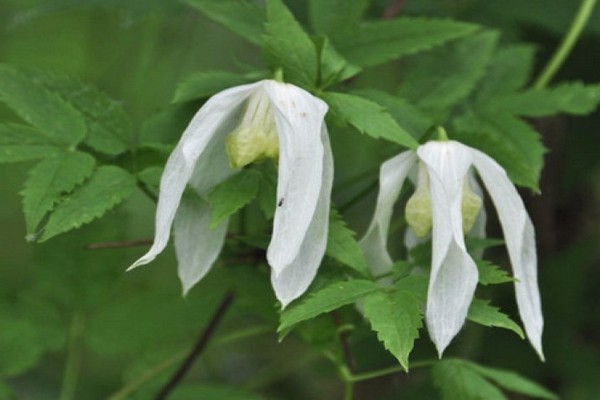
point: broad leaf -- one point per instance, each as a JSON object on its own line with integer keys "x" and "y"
{"x": 107, "y": 187}
{"x": 490, "y": 274}
{"x": 49, "y": 181}
{"x": 240, "y": 16}
{"x": 396, "y": 317}
{"x": 457, "y": 382}
{"x": 336, "y": 17}
{"x": 374, "y": 43}
{"x": 231, "y": 195}
{"x": 22, "y": 143}
{"x": 368, "y": 117}
{"x": 41, "y": 107}
{"x": 484, "y": 314}
{"x": 342, "y": 245}
{"x": 333, "y": 67}
{"x": 287, "y": 46}
{"x": 206, "y": 83}
{"x": 512, "y": 381}
{"x": 325, "y": 300}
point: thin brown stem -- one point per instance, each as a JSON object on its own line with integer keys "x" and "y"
{"x": 348, "y": 356}
{"x": 393, "y": 9}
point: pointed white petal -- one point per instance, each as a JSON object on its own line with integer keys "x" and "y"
{"x": 454, "y": 274}
{"x": 519, "y": 236}
{"x": 392, "y": 175}
{"x": 208, "y": 122}
{"x": 293, "y": 281}
{"x": 196, "y": 246}
{"x": 299, "y": 119}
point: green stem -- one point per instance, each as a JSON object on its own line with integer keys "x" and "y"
{"x": 385, "y": 371}
{"x": 583, "y": 14}
{"x": 74, "y": 356}
{"x": 348, "y": 390}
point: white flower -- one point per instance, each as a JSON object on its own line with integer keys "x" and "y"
{"x": 444, "y": 202}
{"x": 234, "y": 128}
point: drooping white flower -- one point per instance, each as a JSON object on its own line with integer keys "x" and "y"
{"x": 235, "y": 127}
{"x": 445, "y": 203}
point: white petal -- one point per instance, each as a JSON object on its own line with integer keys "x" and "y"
{"x": 299, "y": 119}
{"x": 519, "y": 236}
{"x": 293, "y": 281}
{"x": 454, "y": 274}
{"x": 392, "y": 175}
{"x": 207, "y": 123}
{"x": 196, "y": 246}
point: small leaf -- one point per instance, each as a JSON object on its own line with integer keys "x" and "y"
{"x": 40, "y": 107}
{"x": 287, "y": 46}
{"x": 22, "y": 143}
{"x": 107, "y": 187}
{"x": 151, "y": 176}
{"x": 373, "y": 43}
{"x": 490, "y": 274}
{"x": 342, "y": 245}
{"x": 231, "y": 195}
{"x": 49, "y": 180}
{"x": 484, "y": 314}
{"x": 457, "y": 382}
{"x": 325, "y": 300}
{"x": 241, "y": 17}
{"x": 396, "y": 317}
{"x": 333, "y": 67}
{"x": 368, "y": 117}
{"x": 206, "y": 83}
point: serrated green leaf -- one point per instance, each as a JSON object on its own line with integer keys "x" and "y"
{"x": 151, "y": 176}
{"x": 571, "y": 98}
{"x": 512, "y": 381}
{"x": 457, "y": 382}
{"x": 325, "y": 300}
{"x": 231, "y": 195}
{"x": 507, "y": 139}
{"x": 396, "y": 317}
{"x": 439, "y": 79}
{"x": 478, "y": 243}
{"x": 374, "y": 43}
{"x": 40, "y": 107}
{"x": 107, "y": 187}
{"x": 327, "y": 17}
{"x": 287, "y": 46}
{"x": 206, "y": 83}
{"x": 212, "y": 392}
{"x": 490, "y": 274}
{"x": 484, "y": 314}
{"x": 333, "y": 67}
{"x": 416, "y": 285}
{"x": 368, "y": 117}
{"x": 240, "y": 16}
{"x": 51, "y": 179}
{"x": 22, "y": 143}
{"x": 342, "y": 245}
{"x": 409, "y": 117}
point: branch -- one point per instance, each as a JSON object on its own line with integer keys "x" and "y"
{"x": 393, "y": 9}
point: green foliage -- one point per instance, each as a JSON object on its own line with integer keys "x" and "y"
{"x": 342, "y": 245}
{"x": 484, "y": 314}
{"x": 333, "y": 67}
{"x": 212, "y": 392}
{"x": 373, "y": 43}
{"x": 242, "y": 17}
{"x": 287, "y": 46}
{"x": 22, "y": 143}
{"x": 49, "y": 181}
{"x": 490, "y": 274}
{"x": 513, "y": 382}
{"x": 107, "y": 187}
{"x": 336, "y": 17}
{"x": 325, "y": 300}
{"x": 368, "y": 118}
{"x": 21, "y": 346}
{"x": 206, "y": 83}
{"x": 396, "y": 317}
{"x": 231, "y": 195}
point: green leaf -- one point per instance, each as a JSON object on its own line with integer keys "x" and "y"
{"x": 457, "y": 382}
{"x": 325, "y": 300}
{"x": 206, "y": 83}
{"x": 51, "y": 179}
{"x": 490, "y": 274}
{"x": 151, "y": 176}
{"x": 440, "y": 79}
{"x": 409, "y": 117}
{"x": 336, "y": 17}
{"x": 212, "y": 392}
{"x": 508, "y": 140}
{"x": 22, "y": 143}
{"x": 40, "y": 107}
{"x": 107, "y": 187}
{"x": 333, "y": 67}
{"x": 287, "y": 46}
{"x": 396, "y": 317}
{"x": 20, "y": 345}
{"x": 512, "y": 381}
{"x": 267, "y": 193}
{"x": 374, "y": 43}
{"x": 241, "y": 17}
{"x": 368, "y": 117}
{"x": 231, "y": 195}
{"x": 342, "y": 245}
{"x": 416, "y": 285}
{"x": 571, "y": 98}
{"x": 484, "y": 314}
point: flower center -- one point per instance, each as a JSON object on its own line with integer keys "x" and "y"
{"x": 470, "y": 207}
{"x": 255, "y": 138}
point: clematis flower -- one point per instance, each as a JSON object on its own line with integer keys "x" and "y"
{"x": 240, "y": 125}
{"x": 444, "y": 202}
